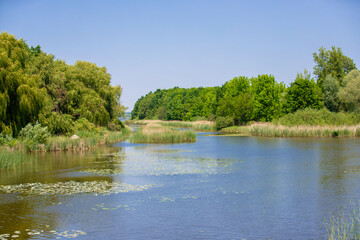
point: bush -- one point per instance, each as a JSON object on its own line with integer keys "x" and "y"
{"x": 313, "y": 117}
{"x": 223, "y": 122}
{"x": 35, "y": 134}
{"x": 83, "y": 124}
{"x": 115, "y": 125}
{"x": 59, "y": 124}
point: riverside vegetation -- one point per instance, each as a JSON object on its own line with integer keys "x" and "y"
{"x": 44, "y": 101}
{"x": 156, "y": 133}
{"x": 334, "y": 96}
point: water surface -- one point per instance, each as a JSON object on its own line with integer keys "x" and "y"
{"x": 221, "y": 187}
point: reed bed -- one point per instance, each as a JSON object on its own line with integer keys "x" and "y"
{"x": 345, "y": 226}
{"x": 271, "y": 130}
{"x": 155, "y": 133}
{"x": 10, "y": 158}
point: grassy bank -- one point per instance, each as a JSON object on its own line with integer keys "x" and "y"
{"x": 86, "y": 141}
{"x": 199, "y": 126}
{"x": 156, "y": 133}
{"x": 273, "y": 130}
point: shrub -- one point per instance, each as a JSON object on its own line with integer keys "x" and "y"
{"x": 313, "y": 117}
{"x": 59, "y": 123}
{"x": 115, "y": 125}
{"x": 83, "y": 124}
{"x": 35, "y": 134}
{"x": 223, "y": 122}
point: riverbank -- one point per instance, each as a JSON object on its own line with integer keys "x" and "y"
{"x": 275, "y": 130}
{"x": 13, "y": 152}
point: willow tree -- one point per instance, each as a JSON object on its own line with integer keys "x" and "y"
{"x": 21, "y": 98}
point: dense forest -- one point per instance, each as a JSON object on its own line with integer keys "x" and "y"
{"x": 34, "y": 87}
{"x": 261, "y": 98}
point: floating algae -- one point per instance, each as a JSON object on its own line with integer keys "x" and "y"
{"x": 41, "y": 233}
{"x": 72, "y": 187}
{"x": 140, "y": 164}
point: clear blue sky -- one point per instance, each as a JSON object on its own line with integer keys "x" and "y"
{"x": 146, "y": 45}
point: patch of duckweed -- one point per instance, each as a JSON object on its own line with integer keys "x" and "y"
{"x": 72, "y": 187}
{"x": 224, "y": 191}
{"x": 148, "y": 164}
{"x": 106, "y": 207}
{"x": 41, "y": 233}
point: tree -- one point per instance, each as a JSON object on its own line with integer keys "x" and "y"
{"x": 303, "y": 93}
{"x": 331, "y": 90}
{"x": 33, "y": 86}
{"x": 332, "y": 62}
{"x": 349, "y": 93}
{"x": 267, "y": 95}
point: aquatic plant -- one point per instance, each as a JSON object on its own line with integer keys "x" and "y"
{"x": 344, "y": 226}
{"x": 10, "y": 158}
{"x": 72, "y": 187}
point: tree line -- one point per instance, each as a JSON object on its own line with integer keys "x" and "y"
{"x": 242, "y": 99}
{"x": 34, "y": 87}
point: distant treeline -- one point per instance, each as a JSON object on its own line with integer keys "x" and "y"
{"x": 36, "y": 87}
{"x": 261, "y": 98}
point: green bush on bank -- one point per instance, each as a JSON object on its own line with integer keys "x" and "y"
{"x": 223, "y": 122}
{"x": 313, "y": 117}
{"x": 34, "y": 133}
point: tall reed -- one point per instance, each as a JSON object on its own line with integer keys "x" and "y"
{"x": 10, "y": 158}
{"x": 158, "y": 134}
{"x": 271, "y": 130}
{"x": 345, "y": 226}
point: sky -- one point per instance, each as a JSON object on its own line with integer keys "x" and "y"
{"x": 158, "y": 44}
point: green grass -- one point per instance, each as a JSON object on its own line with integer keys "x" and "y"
{"x": 162, "y": 135}
{"x": 10, "y": 158}
{"x": 344, "y": 226}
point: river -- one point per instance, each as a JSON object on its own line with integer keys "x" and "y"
{"x": 221, "y": 187}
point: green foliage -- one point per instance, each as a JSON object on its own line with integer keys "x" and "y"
{"x": 223, "y": 122}
{"x": 34, "y": 86}
{"x": 267, "y": 98}
{"x": 349, "y": 93}
{"x": 83, "y": 124}
{"x": 331, "y": 90}
{"x": 34, "y": 133}
{"x": 331, "y": 62}
{"x": 303, "y": 93}
{"x": 59, "y": 123}
{"x": 313, "y": 117}
{"x": 115, "y": 125}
